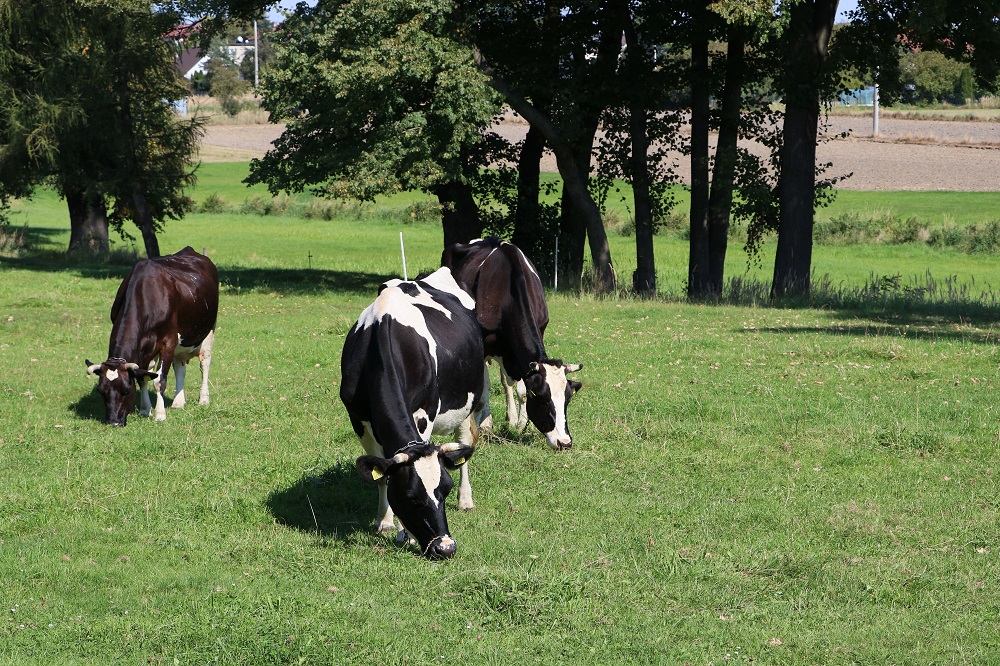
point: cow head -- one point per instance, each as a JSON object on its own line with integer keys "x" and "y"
{"x": 418, "y": 482}
{"x": 549, "y": 391}
{"x": 116, "y": 380}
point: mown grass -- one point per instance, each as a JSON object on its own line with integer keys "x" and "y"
{"x": 747, "y": 485}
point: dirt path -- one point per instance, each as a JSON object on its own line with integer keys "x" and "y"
{"x": 907, "y": 155}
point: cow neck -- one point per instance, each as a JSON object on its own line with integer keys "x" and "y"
{"x": 125, "y": 340}
{"x": 522, "y": 337}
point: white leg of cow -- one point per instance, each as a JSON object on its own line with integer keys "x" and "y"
{"x": 522, "y": 401}
{"x": 160, "y": 411}
{"x": 145, "y": 407}
{"x": 205, "y": 361}
{"x": 508, "y": 391}
{"x": 385, "y": 520}
{"x": 180, "y": 369}
{"x": 484, "y": 417}
{"x": 465, "y": 435}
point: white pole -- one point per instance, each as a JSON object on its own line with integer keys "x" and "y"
{"x": 256, "y": 69}
{"x": 875, "y": 112}
{"x": 402, "y": 251}
{"x": 555, "y": 280}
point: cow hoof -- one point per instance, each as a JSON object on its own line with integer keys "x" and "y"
{"x": 178, "y": 405}
{"x": 161, "y": 417}
{"x": 487, "y": 425}
{"x": 385, "y": 528}
{"x": 203, "y": 400}
{"x": 466, "y": 506}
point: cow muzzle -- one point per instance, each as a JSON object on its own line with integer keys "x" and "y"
{"x": 558, "y": 442}
{"x": 441, "y": 548}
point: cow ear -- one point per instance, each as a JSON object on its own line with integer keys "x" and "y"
{"x": 372, "y": 468}
{"x": 576, "y": 386}
{"x": 534, "y": 382}
{"x": 138, "y": 375}
{"x": 453, "y": 455}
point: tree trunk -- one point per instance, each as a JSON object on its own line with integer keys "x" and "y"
{"x": 810, "y": 27}
{"x": 88, "y": 217}
{"x": 459, "y": 213}
{"x": 698, "y": 256}
{"x": 644, "y": 278}
{"x": 143, "y": 219}
{"x": 527, "y": 234}
{"x": 720, "y": 201}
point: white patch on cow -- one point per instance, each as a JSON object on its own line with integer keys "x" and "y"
{"x": 425, "y": 433}
{"x": 487, "y": 258}
{"x": 447, "y": 422}
{"x": 524, "y": 260}
{"x": 112, "y": 375}
{"x": 402, "y": 307}
{"x": 428, "y": 468}
{"x": 556, "y": 379}
{"x": 443, "y": 279}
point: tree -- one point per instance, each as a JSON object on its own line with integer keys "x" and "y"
{"x": 90, "y": 113}
{"x": 379, "y": 97}
{"x": 804, "y": 81}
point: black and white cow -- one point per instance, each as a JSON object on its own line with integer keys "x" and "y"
{"x": 412, "y": 367}
{"x": 511, "y": 310}
{"x": 164, "y": 314}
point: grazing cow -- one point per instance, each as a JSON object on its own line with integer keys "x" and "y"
{"x": 511, "y": 310}
{"x": 411, "y": 367}
{"x": 164, "y": 313}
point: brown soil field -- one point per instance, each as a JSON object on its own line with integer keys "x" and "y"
{"x": 906, "y": 155}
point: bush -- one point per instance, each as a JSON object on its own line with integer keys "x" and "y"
{"x": 214, "y": 203}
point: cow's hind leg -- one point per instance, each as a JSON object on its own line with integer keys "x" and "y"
{"x": 205, "y": 361}
{"x": 516, "y": 395}
{"x": 180, "y": 369}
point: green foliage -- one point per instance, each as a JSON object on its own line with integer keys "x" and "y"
{"x": 378, "y": 97}
{"x": 932, "y": 76}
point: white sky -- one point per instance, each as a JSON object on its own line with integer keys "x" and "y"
{"x": 845, "y": 6}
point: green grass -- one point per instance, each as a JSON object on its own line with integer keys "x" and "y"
{"x": 747, "y": 485}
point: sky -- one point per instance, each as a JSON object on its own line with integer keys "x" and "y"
{"x": 842, "y": 8}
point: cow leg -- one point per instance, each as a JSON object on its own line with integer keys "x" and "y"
{"x": 466, "y": 434}
{"x": 385, "y": 519}
{"x": 180, "y": 369}
{"x": 484, "y": 416}
{"x": 166, "y": 360}
{"x": 522, "y": 400}
{"x": 145, "y": 406}
{"x": 205, "y": 362}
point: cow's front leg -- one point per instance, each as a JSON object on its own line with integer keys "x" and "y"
{"x": 205, "y": 362}
{"x": 160, "y": 411}
{"x": 484, "y": 416}
{"x": 385, "y": 519}
{"x": 466, "y": 434}
{"x": 180, "y": 369}
{"x": 145, "y": 406}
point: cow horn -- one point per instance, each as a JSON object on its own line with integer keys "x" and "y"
{"x": 533, "y": 367}
{"x": 131, "y": 366}
{"x": 573, "y": 367}
{"x": 451, "y": 446}
{"x": 401, "y": 458}
{"x": 92, "y": 368}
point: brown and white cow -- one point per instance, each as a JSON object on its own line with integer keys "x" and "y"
{"x": 512, "y": 314}
{"x": 164, "y": 314}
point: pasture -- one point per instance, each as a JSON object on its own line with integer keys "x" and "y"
{"x": 748, "y": 484}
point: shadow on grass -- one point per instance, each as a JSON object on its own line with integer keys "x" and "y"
{"x": 336, "y": 503}
{"x": 89, "y": 406}
{"x": 962, "y": 329}
{"x": 232, "y": 279}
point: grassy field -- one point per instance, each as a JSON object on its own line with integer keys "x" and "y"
{"x": 748, "y": 484}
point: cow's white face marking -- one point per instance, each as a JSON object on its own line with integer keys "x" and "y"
{"x": 557, "y": 381}
{"x": 428, "y": 468}
{"x": 112, "y": 375}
